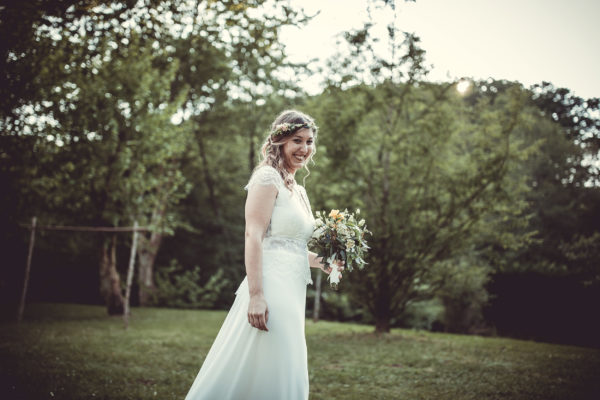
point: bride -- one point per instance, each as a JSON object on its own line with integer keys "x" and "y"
{"x": 260, "y": 351}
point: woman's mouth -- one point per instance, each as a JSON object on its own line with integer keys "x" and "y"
{"x": 299, "y": 158}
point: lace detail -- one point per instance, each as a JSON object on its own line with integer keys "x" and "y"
{"x": 264, "y": 176}
{"x": 287, "y": 258}
{"x": 285, "y": 244}
{"x": 290, "y": 228}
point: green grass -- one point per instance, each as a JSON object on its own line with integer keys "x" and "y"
{"x": 66, "y": 351}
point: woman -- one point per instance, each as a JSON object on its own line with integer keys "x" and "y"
{"x": 260, "y": 351}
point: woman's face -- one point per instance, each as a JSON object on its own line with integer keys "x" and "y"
{"x": 298, "y": 149}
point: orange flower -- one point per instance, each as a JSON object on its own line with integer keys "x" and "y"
{"x": 336, "y": 215}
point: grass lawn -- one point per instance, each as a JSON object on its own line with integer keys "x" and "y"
{"x": 67, "y": 351}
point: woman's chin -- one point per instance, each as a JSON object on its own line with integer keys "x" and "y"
{"x": 296, "y": 164}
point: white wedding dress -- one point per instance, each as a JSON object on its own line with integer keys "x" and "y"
{"x": 247, "y": 363}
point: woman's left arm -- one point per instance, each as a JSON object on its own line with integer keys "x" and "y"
{"x": 315, "y": 261}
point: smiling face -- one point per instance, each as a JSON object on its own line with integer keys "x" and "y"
{"x": 297, "y": 150}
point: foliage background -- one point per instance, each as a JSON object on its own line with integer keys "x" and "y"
{"x": 485, "y": 206}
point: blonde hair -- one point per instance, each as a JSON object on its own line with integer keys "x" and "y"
{"x": 272, "y": 148}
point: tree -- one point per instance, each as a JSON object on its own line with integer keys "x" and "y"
{"x": 24, "y": 52}
{"x": 563, "y": 204}
{"x": 430, "y": 171}
{"x": 230, "y": 103}
{"x": 113, "y": 145}
{"x": 108, "y": 80}
{"x": 127, "y": 150}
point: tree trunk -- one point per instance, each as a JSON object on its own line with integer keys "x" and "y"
{"x": 383, "y": 312}
{"x": 382, "y": 324}
{"x": 147, "y": 251}
{"x": 110, "y": 282}
{"x": 149, "y": 244}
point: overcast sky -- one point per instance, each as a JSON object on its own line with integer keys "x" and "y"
{"x": 526, "y": 40}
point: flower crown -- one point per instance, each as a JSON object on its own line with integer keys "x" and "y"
{"x": 286, "y": 127}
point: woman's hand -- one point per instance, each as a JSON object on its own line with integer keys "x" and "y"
{"x": 258, "y": 312}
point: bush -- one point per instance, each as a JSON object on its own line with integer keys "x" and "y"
{"x": 425, "y": 315}
{"x": 335, "y": 306}
{"x": 464, "y": 296}
{"x": 180, "y": 288}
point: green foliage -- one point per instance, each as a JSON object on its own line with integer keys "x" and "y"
{"x": 335, "y": 305}
{"x": 582, "y": 256}
{"x": 432, "y": 174}
{"x": 121, "y": 115}
{"x": 181, "y": 288}
{"x": 423, "y": 315}
{"x": 155, "y": 111}
{"x": 436, "y": 174}
{"x": 463, "y": 294}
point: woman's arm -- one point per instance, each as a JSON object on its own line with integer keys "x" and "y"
{"x": 259, "y": 207}
{"x": 315, "y": 261}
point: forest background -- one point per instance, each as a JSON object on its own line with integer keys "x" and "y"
{"x": 484, "y": 202}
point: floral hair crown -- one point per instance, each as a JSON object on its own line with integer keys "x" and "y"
{"x": 286, "y": 128}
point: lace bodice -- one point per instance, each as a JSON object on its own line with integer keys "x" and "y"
{"x": 284, "y": 247}
{"x": 292, "y": 217}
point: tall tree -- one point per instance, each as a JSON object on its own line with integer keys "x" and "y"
{"x": 108, "y": 79}
{"x": 230, "y": 103}
{"x": 129, "y": 162}
{"x": 107, "y": 116}
{"x": 430, "y": 171}
{"x": 563, "y": 203}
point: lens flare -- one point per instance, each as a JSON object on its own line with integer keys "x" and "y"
{"x": 463, "y": 86}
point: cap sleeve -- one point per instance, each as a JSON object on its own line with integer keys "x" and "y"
{"x": 265, "y": 176}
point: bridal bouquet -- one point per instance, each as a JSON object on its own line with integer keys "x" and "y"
{"x": 340, "y": 236}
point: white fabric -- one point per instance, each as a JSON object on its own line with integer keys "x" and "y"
{"x": 244, "y": 362}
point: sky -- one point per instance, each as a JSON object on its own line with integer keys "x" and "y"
{"x": 529, "y": 41}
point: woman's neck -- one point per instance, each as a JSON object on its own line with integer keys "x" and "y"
{"x": 292, "y": 172}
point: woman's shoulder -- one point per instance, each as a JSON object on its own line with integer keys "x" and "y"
{"x": 267, "y": 171}
{"x": 265, "y": 175}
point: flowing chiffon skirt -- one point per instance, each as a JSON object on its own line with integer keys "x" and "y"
{"x": 246, "y": 363}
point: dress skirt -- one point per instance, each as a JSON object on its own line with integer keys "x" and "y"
{"x": 247, "y": 363}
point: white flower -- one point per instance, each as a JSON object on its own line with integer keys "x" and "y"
{"x": 318, "y": 232}
{"x": 343, "y": 230}
{"x": 349, "y": 244}
{"x": 361, "y": 222}
{"x": 358, "y": 210}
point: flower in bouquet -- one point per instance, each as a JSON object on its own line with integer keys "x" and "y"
{"x": 340, "y": 236}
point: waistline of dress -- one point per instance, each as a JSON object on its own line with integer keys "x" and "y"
{"x": 284, "y": 243}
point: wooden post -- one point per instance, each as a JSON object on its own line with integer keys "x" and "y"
{"x": 317, "y": 307}
{"x": 130, "y": 274}
{"x": 27, "y": 269}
